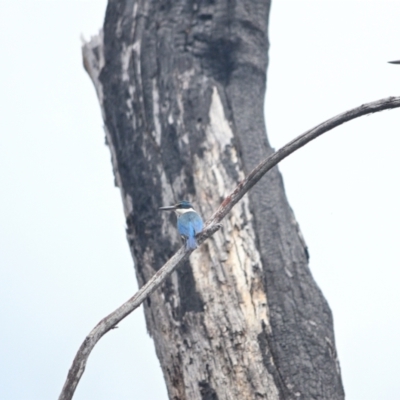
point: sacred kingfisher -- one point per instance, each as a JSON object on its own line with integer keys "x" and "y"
{"x": 189, "y": 222}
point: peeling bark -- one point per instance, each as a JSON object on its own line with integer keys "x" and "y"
{"x": 181, "y": 86}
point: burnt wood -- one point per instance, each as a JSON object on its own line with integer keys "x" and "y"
{"x": 181, "y": 85}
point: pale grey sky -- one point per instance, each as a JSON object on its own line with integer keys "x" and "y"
{"x": 64, "y": 261}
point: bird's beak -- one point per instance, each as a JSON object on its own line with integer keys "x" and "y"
{"x": 394, "y": 62}
{"x": 169, "y": 208}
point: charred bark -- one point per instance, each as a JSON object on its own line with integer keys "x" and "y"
{"x": 181, "y": 86}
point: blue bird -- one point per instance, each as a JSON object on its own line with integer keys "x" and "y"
{"x": 189, "y": 222}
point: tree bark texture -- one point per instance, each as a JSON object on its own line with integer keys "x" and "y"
{"x": 181, "y": 85}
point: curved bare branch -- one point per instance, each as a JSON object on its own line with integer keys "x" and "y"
{"x": 212, "y": 225}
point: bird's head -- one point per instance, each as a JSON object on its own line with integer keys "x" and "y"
{"x": 180, "y": 207}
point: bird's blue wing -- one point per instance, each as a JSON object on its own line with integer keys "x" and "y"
{"x": 185, "y": 227}
{"x": 189, "y": 224}
{"x": 195, "y": 220}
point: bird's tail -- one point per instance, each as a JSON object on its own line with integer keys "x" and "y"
{"x": 191, "y": 241}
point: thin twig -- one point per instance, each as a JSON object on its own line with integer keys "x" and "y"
{"x": 213, "y": 224}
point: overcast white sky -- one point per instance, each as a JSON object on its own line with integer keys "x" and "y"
{"x": 64, "y": 261}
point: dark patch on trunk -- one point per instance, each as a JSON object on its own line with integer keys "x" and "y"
{"x": 170, "y": 153}
{"x": 190, "y": 299}
{"x": 217, "y": 57}
{"x": 207, "y": 392}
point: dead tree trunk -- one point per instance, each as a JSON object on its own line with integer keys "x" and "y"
{"x": 181, "y": 86}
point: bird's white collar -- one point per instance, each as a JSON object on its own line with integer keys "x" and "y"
{"x": 180, "y": 211}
